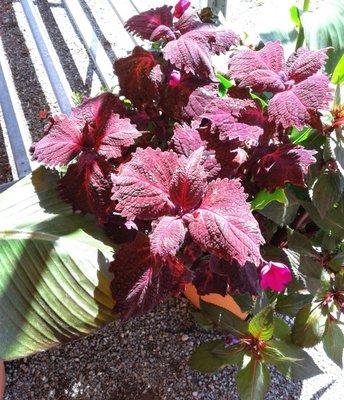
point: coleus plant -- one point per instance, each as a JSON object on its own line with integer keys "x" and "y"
{"x": 232, "y": 182}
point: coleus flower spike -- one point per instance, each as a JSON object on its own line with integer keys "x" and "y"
{"x": 173, "y": 192}
{"x": 300, "y": 88}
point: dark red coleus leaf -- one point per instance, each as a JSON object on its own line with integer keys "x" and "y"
{"x": 274, "y": 167}
{"x": 87, "y": 186}
{"x": 214, "y": 275}
{"x": 142, "y": 187}
{"x": 141, "y": 281}
{"x": 191, "y": 52}
{"x": 301, "y": 89}
{"x": 145, "y": 23}
{"x": 62, "y": 142}
{"x": 224, "y": 224}
{"x": 189, "y": 182}
{"x": 94, "y": 127}
{"x": 135, "y": 77}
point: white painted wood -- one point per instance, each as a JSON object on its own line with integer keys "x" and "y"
{"x": 15, "y": 134}
{"x": 91, "y": 42}
{"x": 49, "y": 57}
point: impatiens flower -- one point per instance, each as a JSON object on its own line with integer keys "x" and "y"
{"x": 181, "y": 7}
{"x": 275, "y": 276}
{"x": 174, "y": 78}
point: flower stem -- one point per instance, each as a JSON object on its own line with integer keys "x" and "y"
{"x": 301, "y": 35}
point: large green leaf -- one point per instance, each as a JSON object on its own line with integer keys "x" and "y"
{"x": 322, "y": 28}
{"x": 333, "y": 342}
{"x": 280, "y": 354}
{"x": 53, "y": 269}
{"x": 224, "y": 319}
{"x": 325, "y": 28}
{"x": 309, "y": 325}
{"x": 211, "y": 356}
{"x": 253, "y": 380}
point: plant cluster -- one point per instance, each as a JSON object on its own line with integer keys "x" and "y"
{"x": 233, "y": 182}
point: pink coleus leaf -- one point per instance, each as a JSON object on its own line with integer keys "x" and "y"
{"x": 162, "y": 32}
{"x": 96, "y": 110}
{"x": 167, "y": 236}
{"x": 224, "y": 115}
{"x": 87, "y": 185}
{"x": 300, "y": 105}
{"x": 62, "y": 142}
{"x": 94, "y": 126}
{"x": 278, "y": 166}
{"x": 142, "y": 187}
{"x": 300, "y": 89}
{"x": 199, "y": 98}
{"x": 189, "y": 21}
{"x": 146, "y": 22}
{"x": 140, "y": 280}
{"x": 224, "y": 224}
{"x": 117, "y": 134}
{"x": 219, "y": 159}
{"x": 305, "y": 63}
{"x": 135, "y": 79}
{"x": 189, "y": 182}
{"x": 191, "y": 52}
{"x": 259, "y": 69}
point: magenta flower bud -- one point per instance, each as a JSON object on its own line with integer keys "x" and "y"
{"x": 180, "y": 8}
{"x": 174, "y": 78}
{"x": 275, "y": 276}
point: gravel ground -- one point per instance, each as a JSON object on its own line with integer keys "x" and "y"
{"x": 145, "y": 359}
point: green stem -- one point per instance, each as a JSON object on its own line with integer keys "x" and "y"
{"x": 306, "y": 4}
{"x": 301, "y": 35}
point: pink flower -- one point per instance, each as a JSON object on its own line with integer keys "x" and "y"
{"x": 275, "y": 276}
{"x": 174, "y": 78}
{"x": 180, "y": 8}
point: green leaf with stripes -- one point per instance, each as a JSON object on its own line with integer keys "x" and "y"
{"x": 54, "y": 285}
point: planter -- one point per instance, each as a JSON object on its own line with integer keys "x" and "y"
{"x": 2, "y": 379}
{"x": 226, "y": 302}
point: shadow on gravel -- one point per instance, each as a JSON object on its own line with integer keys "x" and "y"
{"x": 22, "y": 68}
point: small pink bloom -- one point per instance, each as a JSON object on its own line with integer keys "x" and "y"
{"x": 180, "y": 8}
{"x": 275, "y": 276}
{"x": 174, "y": 78}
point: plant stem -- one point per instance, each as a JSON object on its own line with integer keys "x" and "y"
{"x": 306, "y": 4}
{"x": 301, "y": 35}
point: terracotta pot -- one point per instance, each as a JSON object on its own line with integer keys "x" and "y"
{"x": 2, "y": 379}
{"x": 226, "y": 302}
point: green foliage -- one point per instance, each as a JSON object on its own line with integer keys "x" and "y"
{"x": 261, "y": 325}
{"x": 333, "y": 342}
{"x": 263, "y": 198}
{"x": 309, "y": 325}
{"x": 48, "y": 254}
{"x": 253, "y": 380}
{"x": 212, "y": 356}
